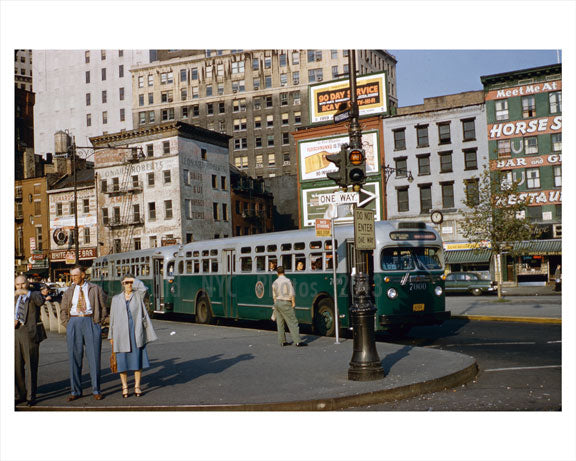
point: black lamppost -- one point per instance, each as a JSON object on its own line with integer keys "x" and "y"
{"x": 365, "y": 363}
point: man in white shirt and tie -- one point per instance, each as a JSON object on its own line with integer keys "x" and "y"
{"x": 82, "y": 312}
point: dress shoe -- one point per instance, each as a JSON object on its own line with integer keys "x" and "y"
{"x": 301, "y": 344}
{"x": 72, "y": 397}
{"x": 286, "y": 344}
{"x": 30, "y": 403}
{"x": 98, "y": 396}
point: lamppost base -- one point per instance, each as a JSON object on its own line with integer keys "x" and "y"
{"x": 366, "y": 372}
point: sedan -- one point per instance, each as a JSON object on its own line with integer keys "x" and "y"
{"x": 469, "y": 282}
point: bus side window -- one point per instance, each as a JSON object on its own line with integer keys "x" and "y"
{"x": 329, "y": 260}
{"x": 260, "y": 262}
{"x": 205, "y": 266}
{"x": 180, "y": 267}
{"x": 188, "y": 266}
{"x": 287, "y": 262}
{"x": 246, "y": 264}
{"x": 214, "y": 267}
{"x": 316, "y": 261}
{"x": 300, "y": 262}
{"x": 196, "y": 266}
{"x": 272, "y": 263}
{"x": 171, "y": 269}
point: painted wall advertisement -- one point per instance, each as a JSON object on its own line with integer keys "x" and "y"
{"x": 312, "y": 209}
{"x": 325, "y": 98}
{"x": 312, "y": 155}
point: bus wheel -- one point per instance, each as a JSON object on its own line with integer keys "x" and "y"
{"x": 203, "y": 311}
{"x": 324, "y": 319}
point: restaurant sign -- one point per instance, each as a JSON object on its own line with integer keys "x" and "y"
{"x": 536, "y": 126}
{"x": 67, "y": 255}
{"x": 539, "y": 198}
{"x": 526, "y": 162}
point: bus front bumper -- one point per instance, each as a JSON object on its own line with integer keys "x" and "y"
{"x": 432, "y": 318}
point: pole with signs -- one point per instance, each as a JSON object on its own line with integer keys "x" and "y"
{"x": 320, "y": 226}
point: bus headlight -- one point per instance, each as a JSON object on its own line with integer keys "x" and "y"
{"x": 392, "y": 293}
{"x": 172, "y": 289}
{"x": 438, "y": 291}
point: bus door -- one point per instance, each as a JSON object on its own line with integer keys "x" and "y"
{"x": 158, "y": 284}
{"x": 229, "y": 285}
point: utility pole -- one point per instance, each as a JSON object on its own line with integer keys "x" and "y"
{"x": 76, "y": 242}
{"x": 365, "y": 363}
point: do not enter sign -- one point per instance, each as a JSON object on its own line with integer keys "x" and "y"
{"x": 364, "y": 236}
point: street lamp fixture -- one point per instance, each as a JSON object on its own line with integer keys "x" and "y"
{"x": 388, "y": 171}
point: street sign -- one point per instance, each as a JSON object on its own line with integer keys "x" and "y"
{"x": 341, "y": 116}
{"x": 366, "y": 197}
{"x": 322, "y": 228}
{"x": 364, "y": 235}
{"x": 338, "y": 198}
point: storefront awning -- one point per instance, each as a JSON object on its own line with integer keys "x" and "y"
{"x": 539, "y": 247}
{"x": 467, "y": 256}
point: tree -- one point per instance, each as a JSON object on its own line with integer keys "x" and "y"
{"x": 496, "y": 214}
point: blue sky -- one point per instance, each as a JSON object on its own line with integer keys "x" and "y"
{"x": 426, "y": 73}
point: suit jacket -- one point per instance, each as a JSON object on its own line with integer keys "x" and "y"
{"x": 97, "y": 300}
{"x": 32, "y": 322}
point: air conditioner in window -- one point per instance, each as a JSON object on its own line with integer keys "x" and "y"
{"x": 557, "y": 230}
{"x": 319, "y": 79}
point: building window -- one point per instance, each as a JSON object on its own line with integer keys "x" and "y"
{"x": 120, "y": 53}
{"x": 85, "y": 206}
{"x": 225, "y": 212}
{"x": 533, "y": 178}
{"x": 470, "y": 159}
{"x": 269, "y": 102}
{"x": 166, "y": 78}
{"x": 257, "y": 122}
{"x": 241, "y": 162}
{"x": 259, "y": 161}
{"x": 445, "y": 162}
{"x": 401, "y": 167}
{"x": 315, "y": 75}
{"x": 117, "y": 246}
{"x": 555, "y": 99}
{"x": 103, "y": 55}
{"x": 334, "y": 72}
{"x": 151, "y": 116}
{"x": 267, "y": 62}
{"x": 528, "y": 106}
{"x": 425, "y": 198}
{"x": 558, "y": 176}
{"x": 285, "y": 139}
{"x": 214, "y": 181}
{"x": 103, "y": 74}
{"x": 271, "y": 141}
{"x": 167, "y": 177}
{"x": 399, "y": 139}
{"x": 105, "y": 218}
{"x": 501, "y": 107}
{"x": 531, "y": 145}
{"x": 444, "y": 133}
{"x": 423, "y": 165}
{"x": 183, "y": 75}
{"x": 447, "y": 195}
{"x": 472, "y": 192}
{"x": 121, "y": 70}
{"x": 208, "y": 90}
{"x": 215, "y": 211}
{"x": 137, "y": 243}
{"x": 115, "y": 184}
{"x": 153, "y": 241}
{"x": 59, "y": 209}
{"x": 269, "y": 121}
{"x": 136, "y": 213}
{"x": 258, "y": 142}
{"x": 152, "y": 211}
{"x": 314, "y": 55}
{"x": 238, "y": 67}
{"x": 183, "y": 94}
{"x": 121, "y": 93}
{"x": 283, "y": 79}
{"x": 150, "y": 81}
{"x": 284, "y": 99}
{"x": 184, "y": 112}
{"x": 504, "y": 148}
{"x": 240, "y": 143}
{"x": 296, "y": 57}
{"x": 402, "y": 199}
{"x": 188, "y": 208}
{"x": 255, "y": 64}
{"x": 104, "y": 185}
{"x": 87, "y": 76}
{"x": 104, "y": 117}
{"x": 556, "y": 140}
{"x": 167, "y": 209}
{"x": 223, "y": 182}
{"x": 87, "y": 57}
{"x": 256, "y": 83}
{"x": 194, "y": 73}
{"x": 468, "y": 130}
{"x": 268, "y": 81}
{"x": 141, "y": 118}
{"x": 297, "y": 117}
{"x": 210, "y": 109}
{"x": 165, "y": 96}
{"x": 140, "y": 100}
{"x": 86, "y": 235}
{"x": 88, "y": 119}
{"x": 116, "y": 215}
{"x": 88, "y": 99}
{"x": 168, "y": 114}
{"x": 150, "y": 179}
{"x": 422, "y": 136}
{"x": 296, "y": 78}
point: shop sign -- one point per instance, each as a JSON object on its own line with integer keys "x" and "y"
{"x": 67, "y": 255}
{"x": 526, "y": 162}
{"x": 167, "y": 242}
{"x": 467, "y": 246}
{"x": 544, "y": 197}
{"x": 536, "y": 126}
{"x": 32, "y": 243}
{"x": 524, "y": 90}
{"x": 326, "y": 98}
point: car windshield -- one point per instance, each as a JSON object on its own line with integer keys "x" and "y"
{"x": 406, "y": 259}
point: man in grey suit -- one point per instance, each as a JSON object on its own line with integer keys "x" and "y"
{"x": 82, "y": 311}
{"x": 28, "y": 333}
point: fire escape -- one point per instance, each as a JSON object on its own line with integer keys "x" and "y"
{"x": 129, "y": 188}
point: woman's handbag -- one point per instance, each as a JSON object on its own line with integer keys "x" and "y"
{"x": 113, "y": 363}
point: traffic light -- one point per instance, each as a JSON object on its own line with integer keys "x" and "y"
{"x": 340, "y": 159}
{"x": 356, "y": 168}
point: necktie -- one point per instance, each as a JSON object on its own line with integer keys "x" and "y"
{"x": 20, "y": 310}
{"x": 81, "y": 306}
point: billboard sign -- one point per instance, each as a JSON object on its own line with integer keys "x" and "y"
{"x": 312, "y": 155}
{"x": 326, "y": 98}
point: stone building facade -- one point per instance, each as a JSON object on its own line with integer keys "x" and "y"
{"x": 169, "y": 184}
{"x": 258, "y": 97}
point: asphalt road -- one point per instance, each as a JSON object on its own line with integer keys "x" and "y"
{"x": 519, "y": 367}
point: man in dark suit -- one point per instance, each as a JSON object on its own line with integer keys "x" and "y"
{"x": 82, "y": 311}
{"x": 28, "y": 333}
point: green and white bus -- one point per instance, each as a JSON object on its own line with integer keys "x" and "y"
{"x": 232, "y": 277}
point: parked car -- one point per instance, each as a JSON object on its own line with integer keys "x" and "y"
{"x": 469, "y": 282}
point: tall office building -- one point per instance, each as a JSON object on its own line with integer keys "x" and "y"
{"x": 88, "y": 92}
{"x": 23, "y": 69}
{"x": 256, "y": 96}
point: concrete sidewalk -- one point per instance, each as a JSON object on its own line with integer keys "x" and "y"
{"x": 201, "y": 367}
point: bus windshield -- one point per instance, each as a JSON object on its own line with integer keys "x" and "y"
{"x": 410, "y": 258}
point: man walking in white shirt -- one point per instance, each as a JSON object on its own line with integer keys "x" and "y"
{"x": 284, "y": 304}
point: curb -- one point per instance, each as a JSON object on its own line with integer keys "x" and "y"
{"x": 328, "y": 404}
{"x": 495, "y": 318}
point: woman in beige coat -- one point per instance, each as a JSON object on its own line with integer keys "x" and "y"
{"x": 130, "y": 330}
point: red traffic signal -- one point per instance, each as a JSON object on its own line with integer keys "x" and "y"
{"x": 356, "y": 156}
